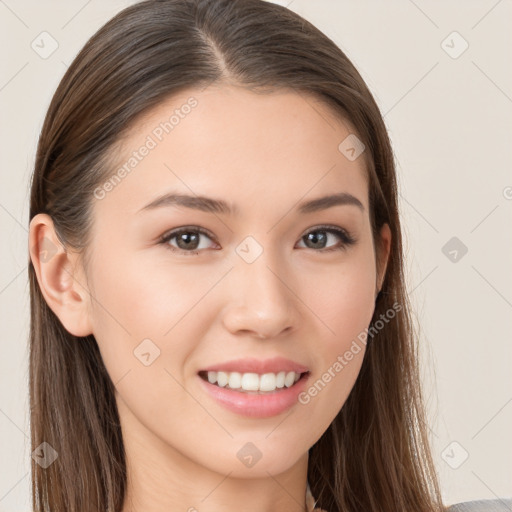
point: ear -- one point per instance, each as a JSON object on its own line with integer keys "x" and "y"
{"x": 59, "y": 276}
{"x": 383, "y": 251}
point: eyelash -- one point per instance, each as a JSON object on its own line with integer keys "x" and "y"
{"x": 346, "y": 237}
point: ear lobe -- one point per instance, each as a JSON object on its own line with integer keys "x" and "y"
{"x": 58, "y": 277}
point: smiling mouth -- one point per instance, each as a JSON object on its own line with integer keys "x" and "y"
{"x": 204, "y": 376}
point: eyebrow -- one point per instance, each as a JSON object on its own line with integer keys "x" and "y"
{"x": 211, "y": 205}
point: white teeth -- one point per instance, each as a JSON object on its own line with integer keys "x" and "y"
{"x": 235, "y": 380}
{"x": 222, "y": 379}
{"x": 252, "y": 381}
{"x": 280, "y": 378}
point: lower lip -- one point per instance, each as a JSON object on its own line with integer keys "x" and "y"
{"x": 256, "y": 406}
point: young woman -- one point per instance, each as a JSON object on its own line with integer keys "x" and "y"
{"x": 218, "y": 313}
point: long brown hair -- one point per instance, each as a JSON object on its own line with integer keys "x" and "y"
{"x": 375, "y": 455}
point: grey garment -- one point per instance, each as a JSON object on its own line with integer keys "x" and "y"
{"x": 495, "y": 505}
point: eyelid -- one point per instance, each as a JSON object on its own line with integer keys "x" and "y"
{"x": 177, "y": 231}
{"x": 348, "y": 235}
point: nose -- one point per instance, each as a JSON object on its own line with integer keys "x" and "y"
{"x": 260, "y": 301}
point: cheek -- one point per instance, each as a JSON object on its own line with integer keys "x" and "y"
{"x": 342, "y": 297}
{"x": 145, "y": 333}
{"x": 136, "y": 300}
{"x": 139, "y": 298}
{"x": 343, "y": 302}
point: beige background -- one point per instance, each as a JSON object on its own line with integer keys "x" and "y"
{"x": 449, "y": 118}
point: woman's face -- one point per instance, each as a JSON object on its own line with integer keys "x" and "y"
{"x": 266, "y": 280}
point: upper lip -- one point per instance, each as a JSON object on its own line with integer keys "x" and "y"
{"x": 260, "y": 366}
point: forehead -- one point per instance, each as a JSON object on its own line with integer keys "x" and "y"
{"x": 257, "y": 149}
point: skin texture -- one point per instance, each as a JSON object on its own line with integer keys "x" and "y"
{"x": 264, "y": 153}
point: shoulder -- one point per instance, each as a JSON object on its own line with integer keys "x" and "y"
{"x": 494, "y": 505}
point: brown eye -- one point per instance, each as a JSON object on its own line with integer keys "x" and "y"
{"x": 187, "y": 240}
{"x": 318, "y": 238}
